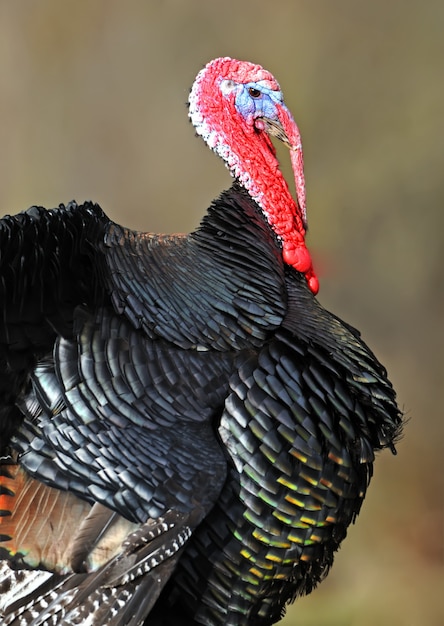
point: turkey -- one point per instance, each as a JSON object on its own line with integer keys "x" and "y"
{"x": 186, "y": 433}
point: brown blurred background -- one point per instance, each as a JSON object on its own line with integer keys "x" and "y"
{"x": 92, "y": 106}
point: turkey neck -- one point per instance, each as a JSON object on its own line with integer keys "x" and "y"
{"x": 243, "y": 141}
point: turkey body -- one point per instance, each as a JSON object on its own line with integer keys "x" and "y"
{"x": 186, "y": 434}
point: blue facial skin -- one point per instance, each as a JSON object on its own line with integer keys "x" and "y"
{"x": 260, "y": 106}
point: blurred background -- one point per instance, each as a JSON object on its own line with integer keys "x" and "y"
{"x": 92, "y": 106}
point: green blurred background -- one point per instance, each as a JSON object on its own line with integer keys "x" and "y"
{"x": 92, "y": 106}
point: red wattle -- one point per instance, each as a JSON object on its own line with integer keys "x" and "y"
{"x": 313, "y": 282}
{"x": 297, "y": 256}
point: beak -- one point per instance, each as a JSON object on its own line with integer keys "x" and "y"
{"x": 285, "y": 129}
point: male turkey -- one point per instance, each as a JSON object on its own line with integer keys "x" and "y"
{"x": 186, "y": 433}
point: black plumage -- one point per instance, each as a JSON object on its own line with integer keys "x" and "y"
{"x": 220, "y": 393}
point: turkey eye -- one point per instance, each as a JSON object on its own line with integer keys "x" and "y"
{"x": 254, "y": 93}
